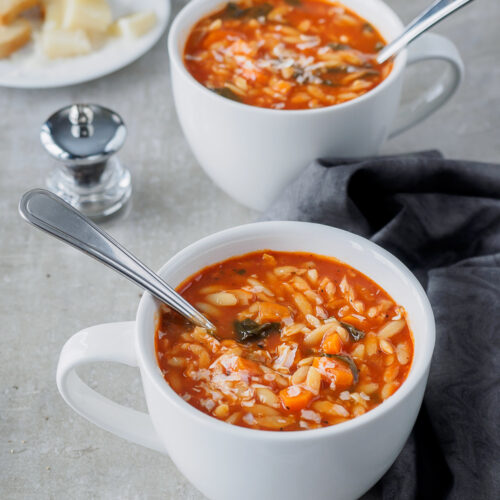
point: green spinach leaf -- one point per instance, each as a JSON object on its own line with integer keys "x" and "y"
{"x": 353, "y": 331}
{"x": 248, "y": 329}
{"x": 234, "y": 11}
{"x": 329, "y": 83}
{"x": 261, "y": 10}
{"x": 338, "y": 69}
{"x": 338, "y": 46}
{"x": 368, "y": 28}
{"x": 227, "y": 93}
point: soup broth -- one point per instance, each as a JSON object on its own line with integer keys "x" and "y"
{"x": 286, "y": 54}
{"x": 302, "y": 342}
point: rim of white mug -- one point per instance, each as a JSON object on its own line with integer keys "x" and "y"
{"x": 426, "y": 339}
{"x": 191, "y": 11}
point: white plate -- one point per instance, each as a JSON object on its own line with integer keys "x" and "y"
{"x": 28, "y": 69}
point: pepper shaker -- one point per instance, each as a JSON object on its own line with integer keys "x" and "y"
{"x": 85, "y": 138}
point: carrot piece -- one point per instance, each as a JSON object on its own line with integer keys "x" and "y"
{"x": 269, "y": 311}
{"x": 295, "y": 398}
{"x": 239, "y": 364}
{"x": 334, "y": 371}
{"x": 282, "y": 86}
{"x": 332, "y": 344}
{"x": 217, "y": 36}
{"x": 343, "y": 376}
{"x": 248, "y": 365}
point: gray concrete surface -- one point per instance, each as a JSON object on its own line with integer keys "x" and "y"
{"x": 49, "y": 291}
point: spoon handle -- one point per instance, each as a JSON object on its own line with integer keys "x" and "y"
{"x": 432, "y": 15}
{"x": 50, "y": 213}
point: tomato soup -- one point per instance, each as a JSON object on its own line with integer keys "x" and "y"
{"x": 302, "y": 342}
{"x": 286, "y": 54}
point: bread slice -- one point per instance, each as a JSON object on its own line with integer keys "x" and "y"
{"x": 14, "y": 36}
{"x": 10, "y": 9}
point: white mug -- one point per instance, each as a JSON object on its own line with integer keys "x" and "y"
{"x": 225, "y": 461}
{"x": 252, "y": 153}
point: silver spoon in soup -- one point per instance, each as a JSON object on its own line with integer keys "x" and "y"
{"x": 53, "y": 215}
{"x": 432, "y": 15}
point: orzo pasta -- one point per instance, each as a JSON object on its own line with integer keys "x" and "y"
{"x": 302, "y": 341}
{"x": 286, "y": 54}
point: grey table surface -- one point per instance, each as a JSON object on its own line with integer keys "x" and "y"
{"x": 49, "y": 291}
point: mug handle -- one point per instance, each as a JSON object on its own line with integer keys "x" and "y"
{"x": 107, "y": 342}
{"x": 430, "y": 46}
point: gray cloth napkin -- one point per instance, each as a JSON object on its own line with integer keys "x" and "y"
{"x": 442, "y": 219}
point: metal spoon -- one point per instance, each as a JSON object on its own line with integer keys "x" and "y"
{"x": 432, "y": 15}
{"x": 50, "y": 213}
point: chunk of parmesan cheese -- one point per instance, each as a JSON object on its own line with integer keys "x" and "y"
{"x": 134, "y": 25}
{"x": 62, "y": 43}
{"x": 90, "y": 15}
